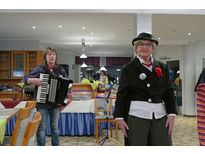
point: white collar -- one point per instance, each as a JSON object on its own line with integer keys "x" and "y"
{"x": 142, "y": 61}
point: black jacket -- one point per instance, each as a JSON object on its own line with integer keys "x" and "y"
{"x": 154, "y": 88}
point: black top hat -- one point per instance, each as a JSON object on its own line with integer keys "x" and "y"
{"x": 145, "y": 36}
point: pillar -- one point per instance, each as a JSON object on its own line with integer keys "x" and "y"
{"x": 189, "y": 103}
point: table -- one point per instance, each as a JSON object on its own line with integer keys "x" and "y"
{"x": 77, "y": 118}
{"x": 5, "y": 115}
{"x": 8, "y": 113}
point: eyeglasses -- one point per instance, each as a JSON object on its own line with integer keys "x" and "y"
{"x": 141, "y": 45}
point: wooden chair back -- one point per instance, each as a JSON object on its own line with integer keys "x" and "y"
{"x": 103, "y": 107}
{"x": 31, "y": 104}
{"x": 23, "y": 118}
{"x": 31, "y": 130}
{"x": 103, "y": 112}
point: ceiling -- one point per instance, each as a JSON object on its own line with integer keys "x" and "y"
{"x": 112, "y": 30}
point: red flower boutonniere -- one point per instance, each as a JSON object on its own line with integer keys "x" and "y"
{"x": 158, "y": 71}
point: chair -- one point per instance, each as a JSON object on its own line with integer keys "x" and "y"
{"x": 103, "y": 110}
{"x": 31, "y": 130}
{"x": 25, "y": 115}
{"x": 31, "y": 103}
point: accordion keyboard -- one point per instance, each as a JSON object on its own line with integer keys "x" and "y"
{"x": 43, "y": 89}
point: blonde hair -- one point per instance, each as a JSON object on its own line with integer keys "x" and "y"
{"x": 140, "y": 41}
{"x": 46, "y": 52}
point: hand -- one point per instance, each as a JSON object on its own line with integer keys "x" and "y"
{"x": 123, "y": 126}
{"x": 37, "y": 81}
{"x": 170, "y": 124}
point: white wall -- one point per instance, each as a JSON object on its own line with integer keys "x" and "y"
{"x": 9, "y": 45}
{"x": 67, "y": 58}
{"x": 190, "y": 78}
{"x": 200, "y": 54}
{"x": 171, "y": 52}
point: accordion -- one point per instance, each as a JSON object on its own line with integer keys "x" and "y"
{"x": 53, "y": 89}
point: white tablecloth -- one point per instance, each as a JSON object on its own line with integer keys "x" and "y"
{"x": 81, "y": 106}
{"x": 1, "y": 106}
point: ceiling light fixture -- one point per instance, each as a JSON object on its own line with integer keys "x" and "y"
{"x": 60, "y": 26}
{"x": 83, "y": 49}
{"x": 84, "y": 65}
{"x": 83, "y": 56}
{"x": 83, "y": 28}
{"x": 34, "y": 27}
{"x": 189, "y": 34}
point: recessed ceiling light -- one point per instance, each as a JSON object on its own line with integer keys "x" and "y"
{"x": 34, "y": 27}
{"x": 174, "y": 30}
{"x": 189, "y": 34}
{"x": 83, "y": 28}
{"x": 91, "y": 38}
{"x": 60, "y": 26}
{"x": 91, "y": 33}
{"x": 159, "y": 38}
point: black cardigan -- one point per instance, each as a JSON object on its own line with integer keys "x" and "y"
{"x": 154, "y": 88}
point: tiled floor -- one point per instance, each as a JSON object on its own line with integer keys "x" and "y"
{"x": 185, "y": 134}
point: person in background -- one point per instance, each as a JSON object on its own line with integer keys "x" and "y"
{"x": 49, "y": 66}
{"x": 145, "y": 105}
{"x": 103, "y": 77}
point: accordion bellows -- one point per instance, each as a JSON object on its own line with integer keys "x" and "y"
{"x": 201, "y": 113}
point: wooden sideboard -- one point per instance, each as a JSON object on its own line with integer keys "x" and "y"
{"x": 10, "y": 95}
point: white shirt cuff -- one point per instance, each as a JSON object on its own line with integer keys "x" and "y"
{"x": 120, "y": 118}
{"x": 172, "y": 114}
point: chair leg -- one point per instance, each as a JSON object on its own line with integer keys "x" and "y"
{"x": 111, "y": 129}
{"x": 96, "y": 130}
{"x": 116, "y": 130}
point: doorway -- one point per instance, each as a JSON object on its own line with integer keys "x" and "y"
{"x": 175, "y": 77}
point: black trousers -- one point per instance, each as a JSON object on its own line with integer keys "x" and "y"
{"x": 144, "y": 132}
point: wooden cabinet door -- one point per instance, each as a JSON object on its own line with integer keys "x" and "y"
{"x": 34, "y": 59}
{"x": 4, "y": 64}
{"x": 18, "y": 59}
{"x": 39, "y": 58}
